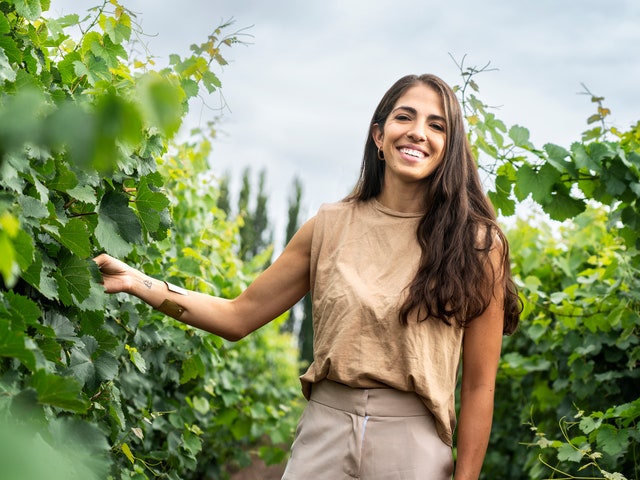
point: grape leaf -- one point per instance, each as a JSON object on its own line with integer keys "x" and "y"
{"x": 149, "y": 205}
{"x": 109, "y": 239}
{"x": 6, "y": 72}
{"x": 75, "y": 237}
{"x": 538, "y": 184}
{"x": 62, "y": 392}
{"x": 115, "y": 207}
{"x": 23, "y": 311}
{"x": 560, "y": 206}
{"x": 612, "y": 441}
{"x": 95, "y": 69}
{"x": 4, "y": 24}
{"x": 12, "y": 344}
{"x": 75, "y": 272}
{"x": 29, "y": 9}
{"x": 520, "y": 136}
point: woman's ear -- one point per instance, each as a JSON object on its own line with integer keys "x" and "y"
{"x": 377, "y": 135}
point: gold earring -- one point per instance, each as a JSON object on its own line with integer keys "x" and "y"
{"x": 380, "y": 154}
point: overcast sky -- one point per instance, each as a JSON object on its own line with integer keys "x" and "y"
{"x": 301, "y": 95}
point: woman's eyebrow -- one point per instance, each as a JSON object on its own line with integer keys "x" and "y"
{"x": 404, "y": 107}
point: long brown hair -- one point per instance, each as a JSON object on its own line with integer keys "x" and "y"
{"x": 455, "y": 279}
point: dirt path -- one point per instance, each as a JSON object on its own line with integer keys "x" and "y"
{"x": 259, "y": 471}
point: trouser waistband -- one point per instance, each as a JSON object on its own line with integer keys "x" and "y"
{"x": 377, "y": 402}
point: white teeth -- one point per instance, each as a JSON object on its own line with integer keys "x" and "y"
{"x": 412, "y": 152}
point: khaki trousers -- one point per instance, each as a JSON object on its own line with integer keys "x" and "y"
{"x": 369, "y": 434}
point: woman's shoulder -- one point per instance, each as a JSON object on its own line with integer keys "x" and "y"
{"x": 337, "y": 208}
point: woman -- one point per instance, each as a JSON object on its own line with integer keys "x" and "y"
{"x": 409, "y": 274}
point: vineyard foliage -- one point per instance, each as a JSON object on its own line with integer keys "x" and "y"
{"x": 568, "y": 394}
{"x": 102, "y": 386}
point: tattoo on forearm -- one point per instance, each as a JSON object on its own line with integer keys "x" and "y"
{"x": 148, "y": 284}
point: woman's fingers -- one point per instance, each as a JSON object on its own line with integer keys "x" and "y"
{"x": 113, "y": 273}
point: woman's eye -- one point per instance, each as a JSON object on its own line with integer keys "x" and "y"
{"x": 438, "y": 127}
{"x": 403, "y": 117}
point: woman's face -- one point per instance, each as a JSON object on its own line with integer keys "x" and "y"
{"x": 414, "y": 136}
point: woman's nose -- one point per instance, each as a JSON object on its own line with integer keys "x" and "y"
{"x": 417, "y": 133}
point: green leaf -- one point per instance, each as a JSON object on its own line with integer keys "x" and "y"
{"x": 560, "y": 206}
{"x": 93, "y": 68}
{"x": 537, "y": 183}
{"x": 75, "y": 236}
{"x": 589, "y": 424}
{"x": 115, "y": 407}
{"x": 80, "y": 363}
{"x": 29, "y": 9}
{"x": 190, "y": 87}
{"x": 201, "y": 405}
{"x": 85, "y": 445}
{"x": 62, "y": 392}
{"x": 118, "y": 121}
{"x": 567, "y": 453}
{"x": 137, "y": 359}
{"x": 84, "y": 193}
{"x": 6, "y": 72}
{"x": 191, "y": 443}
{"x": 96, "y": 299}
{"x": 65, "y": 179}
{"x": 612, "y": 441}
{"x": 4, "y": 24}
{"x": 162, "y": 100}
{"x": 106, "y": 233}
{"x": 32, "y": 207}
{"x": 192, "y": 368}
{"x": 7, "y": 258}
{"x": 12, "y": 345}
{"x": 211, "y": 81}
{"x": 24, "y": 249}
{"x": 37, "y": 275}
{"x": 557, "y": 157}
{"x": 520, "y": 137}
{"x": 61, "y": 326}
{"x": 115, "y": 207}
{"x": 118, "y": 29}
{"x": 67, "y": 69}
{"x": 582, "y": 158}
{"x": 108, "y": 51}
{"x": 23, "y": 311}
{"x": 107, "y": 366}
{"x": 127, "y": 453}
{"x": 77, "y": 276}
{"x": 272, "y": 455}
{"x": 11, "y": 50}
{"x": 149, "y": 205}
{"x": 501, "y": 198}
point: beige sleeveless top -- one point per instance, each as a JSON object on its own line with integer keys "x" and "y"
{"x": 363, "y": 256}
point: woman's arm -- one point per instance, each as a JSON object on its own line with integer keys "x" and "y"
{"x": 480, "y": 356}
{"x": 275, "y": 291}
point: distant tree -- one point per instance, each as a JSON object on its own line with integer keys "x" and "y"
{"x": 305, "y": 335}
{"x": 300, "y": 322}
{"x": 295, "y": 197}
{"x": 262, "y": 235}
{"x": 293, "y": 224}
{"x": 224, "y": 201}
{"x": 255, "y": 234}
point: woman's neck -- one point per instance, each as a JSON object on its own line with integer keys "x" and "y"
{"x": 408, "y": 199}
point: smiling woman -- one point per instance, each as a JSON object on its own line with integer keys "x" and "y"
{"x": 407, "y": 274}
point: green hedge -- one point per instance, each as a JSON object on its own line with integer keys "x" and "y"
{"x": 568, "y": 393}
{"x": 102, "y": 385}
